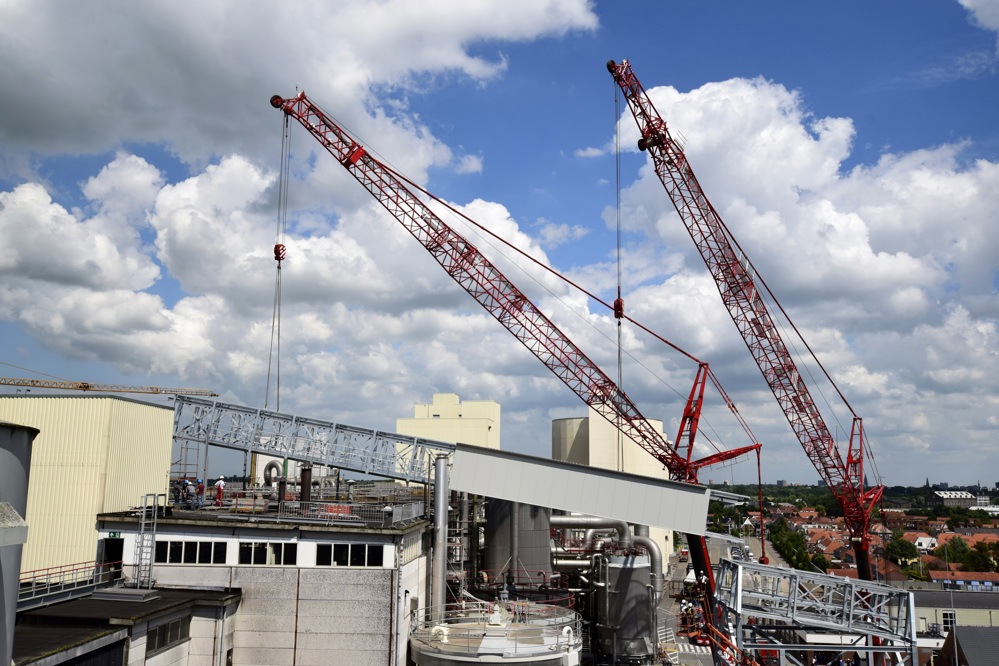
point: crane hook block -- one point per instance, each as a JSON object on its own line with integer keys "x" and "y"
{"x": 618, "y": 308}
{"x": 277, "y": 101}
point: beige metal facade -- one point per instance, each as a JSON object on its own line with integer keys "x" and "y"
{"x": 93, "y": 454}
{"x": 449, "y": 419}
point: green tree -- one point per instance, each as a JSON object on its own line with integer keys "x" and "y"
{"x": 820, "y": 562}
{"x": 901, "y": 551}
{"x": 979, "y": 559}
{"x": 955, "y": 551}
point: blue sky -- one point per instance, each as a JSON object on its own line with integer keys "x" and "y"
{"x": 852, "y": 147}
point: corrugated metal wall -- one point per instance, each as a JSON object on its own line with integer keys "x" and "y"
{"x": 93, "y": 455}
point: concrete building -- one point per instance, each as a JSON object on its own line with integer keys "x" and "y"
{"x": 959, "y": 498}
{"x": 93, "y": 454}
{"x": 594, "y": 441}
{"x": 939, "y": 612}
{"x": 335, "y": 588}
{"x": 450, "y": 419}
{"x": 130, "y": 627}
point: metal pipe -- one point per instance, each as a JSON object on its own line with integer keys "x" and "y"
{"x": 514, "y": 537}
{"x": 624, "y": 539}
{"x": 305, "y": 487}
{"x": 270, "y": 469}
{"x": 655, "y": 560}
{"x": 438, "y": 580}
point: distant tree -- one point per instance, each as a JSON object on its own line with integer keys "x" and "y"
{"x": 955, "y": 551}
{"x": 901, "y": 551}
{"x": 820, "y": 562}
{"x": 979, "y": 559}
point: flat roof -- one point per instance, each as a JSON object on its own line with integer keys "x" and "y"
{"x": 47, "y": 631}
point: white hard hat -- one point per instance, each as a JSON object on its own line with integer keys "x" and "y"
{"x": 221, "y": 478}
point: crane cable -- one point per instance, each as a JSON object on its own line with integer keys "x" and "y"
{"x": 274, "y": 356}
{"x": 618, "y": 302}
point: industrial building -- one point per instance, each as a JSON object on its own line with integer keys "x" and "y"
{"x": 594, "y": 441}
{"x": 448, "y": 418}
{"x": 93, "y": 454}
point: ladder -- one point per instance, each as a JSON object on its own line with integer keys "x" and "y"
{"x": 145, "y": 540}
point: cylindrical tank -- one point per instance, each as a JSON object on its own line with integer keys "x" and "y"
{"x": 533, "y": 559}
{"x": 623, "y": 605}
{"x": 15, "y": 463}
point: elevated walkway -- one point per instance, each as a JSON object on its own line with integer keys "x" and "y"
{"x": 200, "y": 422}
{"x": 515, "y": 477}
{"x": 771, "y": 610}
{"x": 72, "y": 581}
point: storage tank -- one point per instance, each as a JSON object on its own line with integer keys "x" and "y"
{"x": 512, "y": 526}
{"x": 624, "y": 608}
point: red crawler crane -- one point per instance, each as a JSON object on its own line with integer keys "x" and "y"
{"x": 501, "y": 298}
{"x": 734, "y": 276}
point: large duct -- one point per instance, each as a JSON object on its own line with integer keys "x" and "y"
{"x": 655, "y": 560}
{"x": 15, "y": 463}
{"x": 593, "y": 522}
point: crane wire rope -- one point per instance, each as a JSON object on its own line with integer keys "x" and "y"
{"x": 618, "y": 302}
{"x": 475, "y": 227}
{"x": 274, "y": 355}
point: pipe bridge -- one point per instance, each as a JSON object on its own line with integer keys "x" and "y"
{"x": 199, "y": 422}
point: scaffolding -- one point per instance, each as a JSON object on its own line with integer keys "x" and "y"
{"x": 200, "y": 423}
{"x": 782, "y": 615}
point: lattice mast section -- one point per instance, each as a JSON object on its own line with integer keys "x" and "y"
{"x": 487, "y": 285}
{"x": 734, "y": 276}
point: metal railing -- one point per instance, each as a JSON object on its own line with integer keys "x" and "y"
{"x": 513, "y": 628}
{"x": 367, "y": 514}
{"x": 45, "y": 586}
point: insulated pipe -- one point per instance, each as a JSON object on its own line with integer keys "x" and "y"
{"x": 438, "y": 580}
{"x": 623, "y": 531}
{"x": 655, "y": 560}
{"x": 270, "y": 469}
{"x": 560, "y": 563}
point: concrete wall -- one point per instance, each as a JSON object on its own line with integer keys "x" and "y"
{"x": 311, "y": 617}
{"x": 307, "y": 616}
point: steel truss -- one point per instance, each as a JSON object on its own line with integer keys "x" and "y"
{"x": 768, "y": 610}
{"x": 198, "y": 422}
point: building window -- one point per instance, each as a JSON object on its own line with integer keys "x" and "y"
{"x": 167, "y": 635}
{"x": 190, "y": 552}
{"x": 949, "y": 620}
{"x": 268, "y": 554}
{"x": 349, "y": 555}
